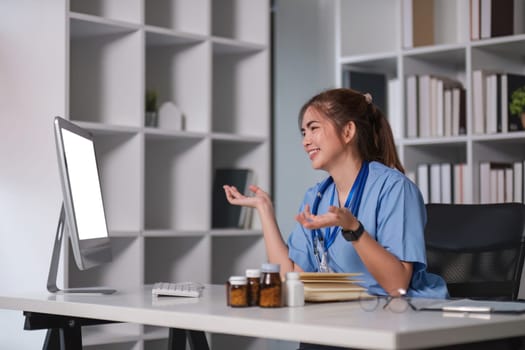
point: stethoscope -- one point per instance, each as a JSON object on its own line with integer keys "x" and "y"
{"x": 322, "y": 243}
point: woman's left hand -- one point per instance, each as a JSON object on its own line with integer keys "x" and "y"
{"x": 335, "y": 216}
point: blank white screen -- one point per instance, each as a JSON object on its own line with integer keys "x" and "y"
{"x": 85, "y": 186}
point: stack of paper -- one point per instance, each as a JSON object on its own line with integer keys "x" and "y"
{"x": 331, "y": 286}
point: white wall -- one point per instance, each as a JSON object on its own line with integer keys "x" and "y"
{"x": 304, "y": 57}
{"x": 30, "y": 95}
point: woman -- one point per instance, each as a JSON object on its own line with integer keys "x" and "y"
{"x": 368, "y": 217}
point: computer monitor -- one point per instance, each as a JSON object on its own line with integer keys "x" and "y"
{"x": 82, "y": 217}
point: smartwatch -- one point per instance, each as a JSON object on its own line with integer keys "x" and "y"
{"x": 353, "y": 235}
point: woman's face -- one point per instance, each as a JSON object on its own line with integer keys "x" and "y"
{"x": 321, "y": 140}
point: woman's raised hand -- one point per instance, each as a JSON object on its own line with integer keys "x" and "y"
{"x": 237, "y": 198}
{"x": 335, "y": 216}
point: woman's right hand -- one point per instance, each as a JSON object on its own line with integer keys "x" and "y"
{"x": 237, "y": 198}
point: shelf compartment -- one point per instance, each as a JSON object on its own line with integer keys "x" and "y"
{"x": 241, "y": 20}
{"x": 360, "y": 35}
{"x": 127, "y": 255}
{"x": 190, "y": 16}
{"x": 503, "y": 56}
{"x": 176, "y": 174}
{"x": 232, "y": 154}
{"x": 453, "y": 152}
{"x": 174, "y": 259}
{"x": 386, "y": 65}
{"x": 105, "y": 76}
{"x": 120, "y": 177}
{"x": 240, "y": 93}
{"x": 180, "y": 73}
{"x": 232, "y": 256}
{"x": 124, "y": 10}
{"x": 450, "y": 62}
{"x": 499, "y": 150}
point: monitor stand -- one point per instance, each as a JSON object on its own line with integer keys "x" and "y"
{"x": 53, "y": 268}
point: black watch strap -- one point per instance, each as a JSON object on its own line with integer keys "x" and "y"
{"x": 353, "y": 236}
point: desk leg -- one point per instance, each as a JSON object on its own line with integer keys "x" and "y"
{"x": 64, "y": 332}
{"x": 177, "y": 339}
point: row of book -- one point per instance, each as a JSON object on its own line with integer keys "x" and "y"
{"x": 436, "y": 106}
{"x": 442, "y": 182}
{"x": 501, "y": 182}
{"x": 493, "y": 18}
{"x": 493, "y": 93}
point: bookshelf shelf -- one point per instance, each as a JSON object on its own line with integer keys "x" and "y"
{"x": 450, "y": 54}
{"x": 212, "y": 60}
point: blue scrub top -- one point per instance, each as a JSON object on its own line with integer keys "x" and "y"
{"x": 393, "y": 213}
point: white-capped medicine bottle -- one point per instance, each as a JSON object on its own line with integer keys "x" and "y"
{"x": 237, "y": 295}
{"x": 294, "y": 289}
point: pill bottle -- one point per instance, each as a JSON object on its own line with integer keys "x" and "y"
{"x": 254, "y": 277}
{"x": 270, "y": 287}
{"x": 294, "y": 290}
{"x": 238, "y": 291}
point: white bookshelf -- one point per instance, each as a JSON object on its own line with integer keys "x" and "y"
{"x": 369, "y": 37}
{"x": 210, "y": 58}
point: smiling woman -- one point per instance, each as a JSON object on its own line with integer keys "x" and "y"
{"x": 366, "y": 216}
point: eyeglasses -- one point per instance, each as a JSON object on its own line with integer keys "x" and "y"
{"x": 396, "y": 301}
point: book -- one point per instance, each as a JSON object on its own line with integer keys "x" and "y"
{"x": 412, "y": 127}
{"x": 518, "y": 181}
{"x": 460, "y": 188}
{"x": 422, "y": 22}
{"x": 435, "y": 183}
{"x": 475, "y": 19}
{"x": 424, "y": 96}
{"x": 423, "y": 181}
{"x": 371, "y": 82}
{"x": 502, "y": 18}
{"x": 447, "y": 181}
{"x": 322, "y": 287}
{"x": 478, "y": 101}
{"x": 492, "y": 181}
{"x": 224, "y": 214}
{"x": 394, "y": 108}
{"x": 485, "y": 18}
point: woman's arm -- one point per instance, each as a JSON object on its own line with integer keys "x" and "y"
{"x": 388, "y": 270}
{"x": 276, "y": 248}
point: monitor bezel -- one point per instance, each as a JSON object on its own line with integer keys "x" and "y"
{"x": 91, "y": 252}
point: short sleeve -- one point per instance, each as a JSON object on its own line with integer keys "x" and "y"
{"x": 401, "y": 221}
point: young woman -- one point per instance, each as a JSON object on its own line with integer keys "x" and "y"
{"x": 366, "y": 216}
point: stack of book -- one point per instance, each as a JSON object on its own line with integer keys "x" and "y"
{"x": 492, "y": 96}
{"x": 436, "y": 106}
{"x": 320, "y": 286}
{"x": 442, "y": 182}
{"x": 493, "y": 18}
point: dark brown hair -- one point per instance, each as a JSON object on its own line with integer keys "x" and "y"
{"x": 374, "y": 135}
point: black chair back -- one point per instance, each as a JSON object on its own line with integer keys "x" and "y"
{"x": 478, "y": 249}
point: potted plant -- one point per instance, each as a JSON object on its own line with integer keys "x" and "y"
{"x": 517, "y": 105}
{"x": 152, "y": 108}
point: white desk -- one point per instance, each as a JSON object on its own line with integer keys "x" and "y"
{"x": 341, "y": 324}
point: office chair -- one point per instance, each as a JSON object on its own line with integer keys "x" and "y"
{"x": 478, "y": 249}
